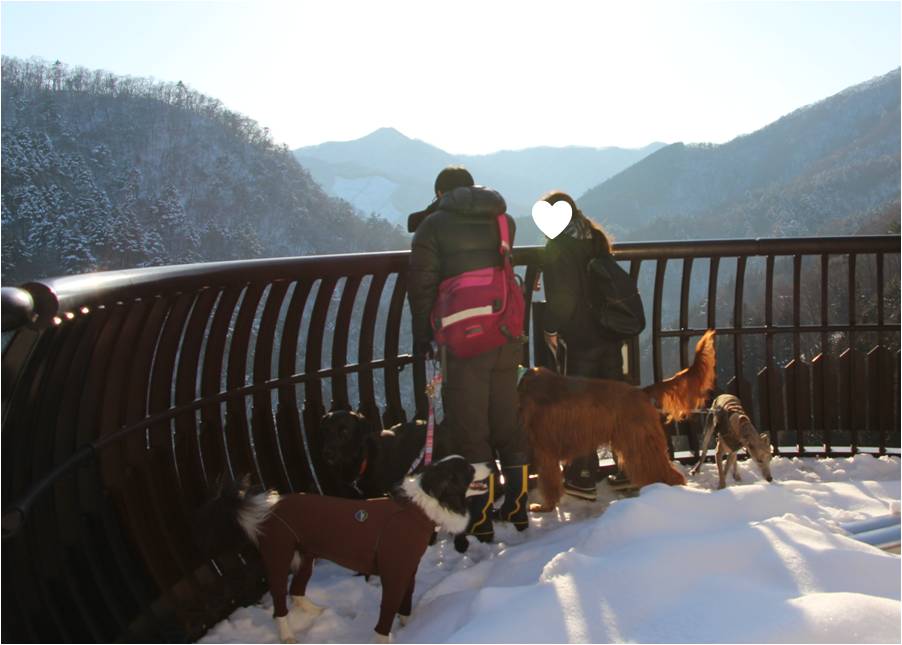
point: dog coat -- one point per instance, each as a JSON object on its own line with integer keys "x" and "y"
{"x": 383, "y": 536}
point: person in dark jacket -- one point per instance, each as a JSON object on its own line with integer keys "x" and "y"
{"x": 589, "y": 352}
{"x": 456, "y": 234}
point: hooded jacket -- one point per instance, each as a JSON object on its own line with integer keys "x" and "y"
{"x": 460, "y": 235}
{"x": 565, "y": 275}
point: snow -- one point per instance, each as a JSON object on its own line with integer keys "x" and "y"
{"x": 754, "y": 562}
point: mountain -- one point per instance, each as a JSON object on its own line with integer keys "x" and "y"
{"x": 107, "y": 172}
{"x": 827, "y": 168}
{"x": 392, "y": 175}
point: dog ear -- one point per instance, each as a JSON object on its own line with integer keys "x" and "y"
{"x": 435, "y": 481}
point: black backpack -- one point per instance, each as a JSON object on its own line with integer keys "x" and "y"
{"x": 614, "y": 301}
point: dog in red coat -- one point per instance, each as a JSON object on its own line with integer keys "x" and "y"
{"x": 385, "y": 536}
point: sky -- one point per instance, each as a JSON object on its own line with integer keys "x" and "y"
{"x": 474, "y": 77}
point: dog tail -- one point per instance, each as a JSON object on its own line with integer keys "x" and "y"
{"x": 687, "y": 389}
{"x": 233, "y": 512}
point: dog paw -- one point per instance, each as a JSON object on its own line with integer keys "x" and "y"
{"x": 461, "y": 544}
{"x": 540, "y": 508}
{"x": 403, "y": 620}
{"x": 285, "y": 633}
{"x": 305, "y": 604}
{"x": 382, "y": 638}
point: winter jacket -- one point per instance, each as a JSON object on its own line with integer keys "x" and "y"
{"x": 565, "y": 278}
{"x": 459, "y": 236}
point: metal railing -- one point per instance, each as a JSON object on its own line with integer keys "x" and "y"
{"x": 126, "y": 393}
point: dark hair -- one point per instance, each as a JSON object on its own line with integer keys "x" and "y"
{"x": 452, "y": 177}
{"x": 555, "y": 196}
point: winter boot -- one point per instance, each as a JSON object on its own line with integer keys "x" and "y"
{"x": 579, "y": 478}
{"x": 619, "y": 481}
{"x": 480, "y": 507}
{"x": 514, "y": 508}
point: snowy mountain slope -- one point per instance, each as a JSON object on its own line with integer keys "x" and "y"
{"x": 755, "y": 562}
{"x": 107, "y": 172}
{"x": 388, "y": 156}
{"x": 824, "y": 168}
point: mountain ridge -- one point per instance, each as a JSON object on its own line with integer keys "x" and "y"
{"x": 769, "y": 182}
{"x": 390, "y": 173}
{"x": 105, "y": 172}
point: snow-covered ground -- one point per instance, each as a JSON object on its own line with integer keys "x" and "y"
{"x": 755, "y": 562}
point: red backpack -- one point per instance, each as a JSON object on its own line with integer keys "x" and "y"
{"x": 481, "y": 309}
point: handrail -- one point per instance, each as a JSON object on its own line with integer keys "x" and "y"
{"x": 57, "y": 296}
{"x": 126, "y": 392}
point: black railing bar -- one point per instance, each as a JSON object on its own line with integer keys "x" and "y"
{"x": 781, "y": 329}
{"x": 769, "y": 377}
{"x": 756, "y": 247}
{"x": 825, "y": 302}
{"x": 852, "y": 290}
{"x": 713, "y": 267}
{"x": 796, "y": 304}
{"x": 880, "y": 304}
{"x": 684, "y": 309}
{"x": 738, "y": 303}
{"x": 660, "y": 269}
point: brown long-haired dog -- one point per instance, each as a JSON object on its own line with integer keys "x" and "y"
{"x": 565, "y": 417}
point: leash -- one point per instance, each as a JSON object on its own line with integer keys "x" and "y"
{"x": 354, "y": 484}
{"x": 432, "y": 389}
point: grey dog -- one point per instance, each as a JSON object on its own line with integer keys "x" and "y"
{"x": 735, "y": 431}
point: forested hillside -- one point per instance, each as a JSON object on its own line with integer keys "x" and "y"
{"x": 827, "y": 168}
{"x": 107, "y": 172}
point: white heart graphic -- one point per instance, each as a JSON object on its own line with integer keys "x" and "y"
{"x": 551, "y": 219}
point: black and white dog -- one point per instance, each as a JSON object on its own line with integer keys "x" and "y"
{"x": 366, "y": 463}
{"x": 385, "y": 536}
{"x": 735, "y": 431}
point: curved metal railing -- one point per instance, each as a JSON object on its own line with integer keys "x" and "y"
{"x": 126, "y": 393}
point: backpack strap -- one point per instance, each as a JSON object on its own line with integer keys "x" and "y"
{"x": 504, "y": 230}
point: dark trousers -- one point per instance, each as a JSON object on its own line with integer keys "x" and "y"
{"x": 604, "y": 360}
{"x": 480, "y": 400}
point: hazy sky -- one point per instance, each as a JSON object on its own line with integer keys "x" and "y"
{"x": 474, "y": 77}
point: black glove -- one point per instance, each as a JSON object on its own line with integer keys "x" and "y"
{"x": 423, "y": 348}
